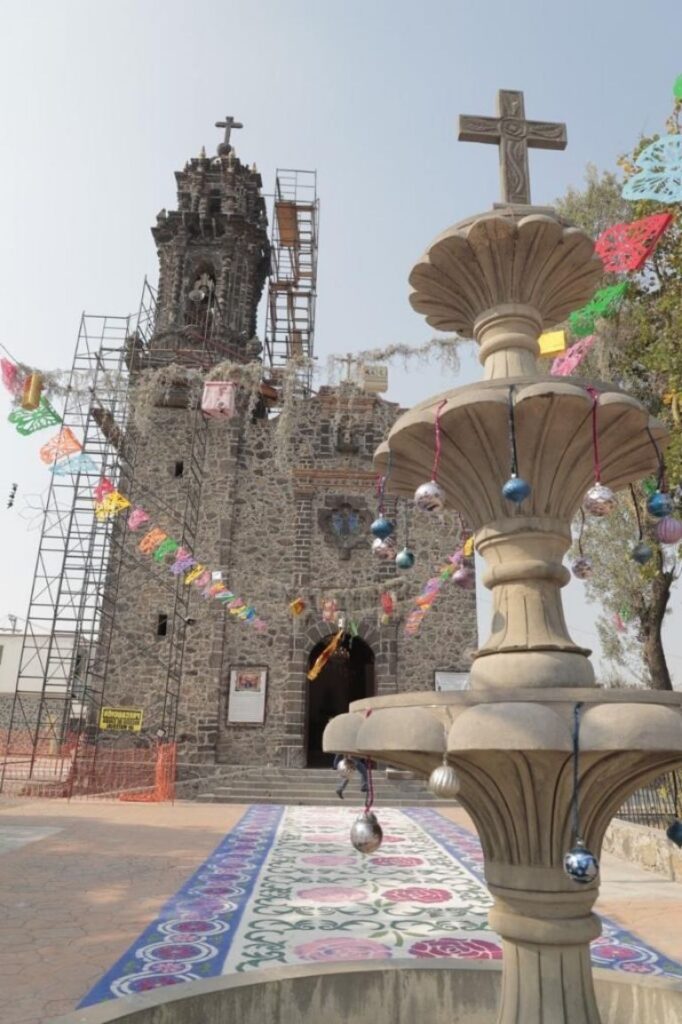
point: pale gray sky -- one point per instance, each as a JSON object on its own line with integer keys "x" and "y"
{"x": 104, "y": 100}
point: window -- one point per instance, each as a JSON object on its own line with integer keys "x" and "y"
{"x": 178, "y": 468}
{"x": 162, "y": 624}
{"x": 1, "y": 650}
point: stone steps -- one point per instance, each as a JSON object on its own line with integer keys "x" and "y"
{"x": 314, "y": 787}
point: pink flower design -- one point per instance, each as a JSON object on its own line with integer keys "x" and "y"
{"x": 154, "y": 981}
{"x": 176, "y": 951}
{"x": 397, "y": 862}
{"x": 416, "y": 894}
{"x": 462, "y": 949}
{"x": 332, "y": 894}
{"x": 343, "y": 949}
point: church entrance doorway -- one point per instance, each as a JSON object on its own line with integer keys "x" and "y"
{"x": 346, "y": 677}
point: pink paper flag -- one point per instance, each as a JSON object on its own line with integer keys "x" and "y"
{"x": 564, "y": 365}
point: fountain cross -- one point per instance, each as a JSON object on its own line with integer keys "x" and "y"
{"x": 513, "y": 134}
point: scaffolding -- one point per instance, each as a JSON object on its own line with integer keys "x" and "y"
{"x": 292, "y": 288}
{"x": 53, "y": 738}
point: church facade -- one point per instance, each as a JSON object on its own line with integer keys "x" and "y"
{"x": 281, "y": 511}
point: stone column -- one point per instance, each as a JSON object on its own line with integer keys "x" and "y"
{"x": 529, "y": 639}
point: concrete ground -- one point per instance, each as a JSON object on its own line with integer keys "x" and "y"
{"x": 80, "y": 881}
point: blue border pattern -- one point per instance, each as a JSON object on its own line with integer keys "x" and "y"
{"x": 190, "y": 938}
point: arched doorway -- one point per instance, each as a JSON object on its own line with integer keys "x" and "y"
{"x": 346, "y": 677}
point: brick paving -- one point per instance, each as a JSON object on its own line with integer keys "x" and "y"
{"x": 80, "y": 881}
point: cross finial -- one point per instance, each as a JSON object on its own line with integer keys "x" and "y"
{"x": 513, "y": 134}
{"x": 228, "y": 124}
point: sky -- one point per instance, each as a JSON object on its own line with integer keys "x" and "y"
{"x": 104, "y": 100}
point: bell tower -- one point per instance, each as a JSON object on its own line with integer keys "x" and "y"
{"x": 214, "y": 257}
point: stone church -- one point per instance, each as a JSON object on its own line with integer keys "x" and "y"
{"x": 277, "y": 524}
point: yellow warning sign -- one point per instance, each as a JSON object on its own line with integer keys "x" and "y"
{"x": 123, "y": 719}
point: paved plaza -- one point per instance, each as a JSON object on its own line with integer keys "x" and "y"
{"x": 102, "y": 900}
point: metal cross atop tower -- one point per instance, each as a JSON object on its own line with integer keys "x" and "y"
{"x": 513, "y": 134}
{"x": 228, "y": 124}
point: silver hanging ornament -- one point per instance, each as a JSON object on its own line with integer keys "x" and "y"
{"x": 384, "y": 548}
{"x": 516, "y": 489}
{"x": 405, "y": 559}
{"x": 346, "y": 767}
{"x": 581, "y": 865}
{"x": 366, "y": 834}
{"x": 582, "y": 568}
{"x": 443, "y": 780}
{"x": 382, "y": 527}
{"x": 429, "y": 497}
{"x": 642, "y": 553}
{"x": 599, "y": 500}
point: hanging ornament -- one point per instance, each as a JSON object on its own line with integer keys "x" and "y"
{"x": 346, "y": 767}
{"x": 430, "y": 497}
{"x": 382, "y": 527}
{"x": 405, "y": 559}
{"x": 297, "y": 606}
{"x": 384, "y": 549}
{"x": 674, "y": 832}
{"x": 324, "y": 656}
{"x": 515, "y": 489}
{"x": 661, "y": 176}
{"x": 669, "y": 530}
{"x": 366, "y": 833}
{"x": 464, "y": 577}
{"x": 582, "y": 568}
{"x": 642, "y": 553}
{"x": 625, "y": 248}
{"x": 659, "y": 505}
{"x": 579, "y": 864}
{"x": 443, "y": 780}
{"x": 599, "y": 500}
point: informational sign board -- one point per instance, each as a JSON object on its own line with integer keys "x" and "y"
{"x": 121, "y": 719}
{"x": 246, "y": 702}
{"x": 451, "y": 681}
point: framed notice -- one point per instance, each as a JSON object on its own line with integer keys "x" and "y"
{"x": 451, "y": 681}
{"x": 246, "y": 702}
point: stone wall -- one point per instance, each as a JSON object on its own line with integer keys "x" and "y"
{"x": 266, "y": 513}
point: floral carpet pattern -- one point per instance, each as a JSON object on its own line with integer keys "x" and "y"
{"x": 286, "y": 887}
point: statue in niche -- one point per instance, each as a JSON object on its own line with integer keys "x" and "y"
{"x": 343, "y": 525}
{"x": 347, "y": 437}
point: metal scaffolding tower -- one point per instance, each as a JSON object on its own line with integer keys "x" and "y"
{"x": 292, "y": 288}
{"x": 71, "y": 620}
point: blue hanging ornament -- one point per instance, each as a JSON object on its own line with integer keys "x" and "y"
{"x": 516, "y": 489}
{"x": 674, "y": 832}
{"x": 405, "y": 559}
{"x": 660, "y": 504}
{"x": 642, "y": 553}
{"x": 581, "y": 865}
{"x": 382, "y": 527}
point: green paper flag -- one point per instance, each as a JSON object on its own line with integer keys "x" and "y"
{"x": 27, "y": 423}
{"x": 677, "y": 88}
{"x": 605, "y": 304}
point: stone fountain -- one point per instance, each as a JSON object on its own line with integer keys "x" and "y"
{"x": 502, "y": 278}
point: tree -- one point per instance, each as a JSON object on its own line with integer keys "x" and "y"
{"x": 641, "y": 350}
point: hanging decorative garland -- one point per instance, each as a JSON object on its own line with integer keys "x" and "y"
{"x": 579, "y": 864}
{"x": 516, "y": 489}
{"x": 430, "y": 497}
{"x": 599, "y": 500}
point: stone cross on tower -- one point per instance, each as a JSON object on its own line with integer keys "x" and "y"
{"x": 228, "y": 124}
{"x": 513, "y": 134}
